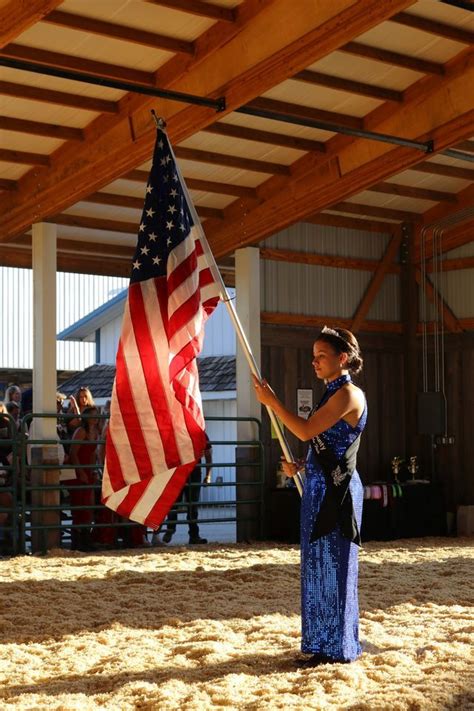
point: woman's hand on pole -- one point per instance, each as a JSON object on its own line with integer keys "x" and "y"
{"x": 292, "y": 468}
{"x": 264, "y": 392}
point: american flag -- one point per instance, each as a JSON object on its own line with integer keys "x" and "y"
{"x": 156, "y": 429}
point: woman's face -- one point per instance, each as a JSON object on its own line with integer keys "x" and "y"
{"x": 15, "y": 395}
{"x": 83, "y": 399}
{"x": 327, "y": 363}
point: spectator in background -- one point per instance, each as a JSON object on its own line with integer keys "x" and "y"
{"x": 27, "y": 402}
{"x": 6, "y": 499}
{"x": 82, "y": 399}
{"x": 13, "y": 394}
{"x": 82, "y": 452}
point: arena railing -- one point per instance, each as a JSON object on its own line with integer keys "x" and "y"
{"x": 9, "y": 512}
{"x": 44, "y": 513}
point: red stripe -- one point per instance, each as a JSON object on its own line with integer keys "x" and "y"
{"x": 154, "y": 384}
{"x": 185, "y": 355}
{"x": 198, "y": 247}
{"x": 113, "y": 464}
{"x": 185, "y": 313}
{"x": 182, "y": 272}
{"x": 161, "y": 289}
{"x": 205, "y": 277}
{"x": 170, "y": 493}
{"x": 129, "y": 416}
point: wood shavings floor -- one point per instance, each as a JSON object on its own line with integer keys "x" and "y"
{"x": 218, "y": 628}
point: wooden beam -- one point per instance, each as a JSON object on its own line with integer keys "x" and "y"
{"x": 467, "y": 146}
{"x": 413, "y": 192}
{"x": 62, "y": 98}
{"x": 409, "y": 300}
{"x": 325, "y": 260}
{"x": 455, "y": 264}
{"x": 440, "y": 29}
{"x": 257, "y": 166}
{"x": 375, "y": 211}
{"x": 241, "y": 60}
{"x": 449, "y": 171}
{"x": 383, "y": 268}
{"x": 275, "y": 139}
{"x": 8, "y": 184}
{"x": 319, "y": 321}
{"x": 120, "y": 32}
{"x": 398, "y": 60}
{"x": 285, "y": 107}
{"x": 23, "y": 157}
{"x": 453, "y": 234}
{"x": 16, "y": 17}
{"x": 141, "y": 176}
{"x": 437, "y": 107}
{"x": 351, "y": 223}
{"x": 103, "y": 70}
{"x": 38, "y": 128}
{"x": 203, "y": 9}
{"x": 449, "y": 319}
{"x": 349, "y": 85}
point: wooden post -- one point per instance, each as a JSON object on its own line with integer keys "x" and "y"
{"x": 409, "y": 313}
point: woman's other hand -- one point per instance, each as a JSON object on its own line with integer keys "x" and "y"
{"x": 292, "y": 468}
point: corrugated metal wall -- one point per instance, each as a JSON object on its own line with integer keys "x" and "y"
{"x": 224, "y": 431}
{"x": 456, "y": 286}
{"x": 219, "y": 334}
{"x": 77, "y": 295}
{"x": 109, "y": 338}
{"x": 325, "y": 291}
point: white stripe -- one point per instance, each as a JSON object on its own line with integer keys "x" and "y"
{"x": 119, "y": 436}
{"x": 116, "y": 498}
{"x": 151, "y": 495}
{"x": 141, "y": 397}
{"x": 155, "y": 324}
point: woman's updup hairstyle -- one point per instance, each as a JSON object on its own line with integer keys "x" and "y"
{"x": 343, "y": 341}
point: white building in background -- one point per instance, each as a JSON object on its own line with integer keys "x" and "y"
{"x": 100, "y": 330}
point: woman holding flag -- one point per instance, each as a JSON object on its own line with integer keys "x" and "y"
{"x": 331, "y": 508}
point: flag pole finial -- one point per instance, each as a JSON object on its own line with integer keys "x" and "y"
{"x": 159, "y": 121}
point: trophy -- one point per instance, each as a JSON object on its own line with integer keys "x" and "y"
{"x": 413, "y": 467}
{"x": 396, "y": 464}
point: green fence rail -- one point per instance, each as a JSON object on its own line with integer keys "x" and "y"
{"x": 9, "y": 511}
{"x": 39, "y": 514}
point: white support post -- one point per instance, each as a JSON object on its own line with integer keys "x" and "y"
{"x": 44, "y": 390}
{"x": 247, "y": 287}
{"x": 44, "y": 325}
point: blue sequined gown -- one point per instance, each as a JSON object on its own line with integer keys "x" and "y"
{"x": 329, "y": 565}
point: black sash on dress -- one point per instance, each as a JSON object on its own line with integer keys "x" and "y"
{"x": 337, "y": 506}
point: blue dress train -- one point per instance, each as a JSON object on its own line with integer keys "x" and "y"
{"x": 329, "y": 565}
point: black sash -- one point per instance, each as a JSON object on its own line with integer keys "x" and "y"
{"x": 337, "y": 506}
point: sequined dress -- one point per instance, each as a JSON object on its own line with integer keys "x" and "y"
{"x": 329, "y": 565}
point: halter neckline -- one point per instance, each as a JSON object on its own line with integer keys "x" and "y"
{"x": 338, "y": 383}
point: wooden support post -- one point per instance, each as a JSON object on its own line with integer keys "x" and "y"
{"x": 409, "y": 314}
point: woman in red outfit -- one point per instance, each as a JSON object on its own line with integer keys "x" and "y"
{"x": 83, "y": 452}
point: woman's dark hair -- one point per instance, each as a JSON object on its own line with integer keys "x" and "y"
{"x": 343, "y": 341}
{"x": 85, "y": 421}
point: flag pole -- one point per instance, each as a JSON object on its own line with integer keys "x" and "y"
{"x": 225, "y": 297}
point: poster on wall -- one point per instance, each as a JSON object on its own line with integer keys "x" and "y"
{"x": 304, "y": 400}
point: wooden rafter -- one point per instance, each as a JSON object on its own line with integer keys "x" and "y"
{"x": 141, "y": 176}
{"x": 16, "y": 17}
{"x": 449, "y": 171}
{"x": 258, "y": 166}
{"x": 440, "y": 29}
{"x": 324, "y": 260}
{"x": 467, "y": 146}
{"x": 271, "y": 137}
{"x": 242, "y": 59}
{"x": 204, "y": 9}
{"x": 121, "y": 32}
{"x": 398, "y": 60}
{"x": 6, "y": 184}
{"x": 383, "y": 268}
{"x": 351, "y": 223}
{"x": 285, "y": 107}
{"x": 62, "y": 98}
{"x": 38, "y": 128}
{"x": 386, "y": 213}
{"x": 388, "y": 188}
{"x": 349, "y": 85}
{"x": 436, "y": 107}
{"x": 23, "y": 157}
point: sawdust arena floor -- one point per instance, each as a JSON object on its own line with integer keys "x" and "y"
{"x": 218, "y": 627}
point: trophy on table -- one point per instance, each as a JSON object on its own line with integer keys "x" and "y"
{"x": 396, "y": 464}
{"x": 413, "y": 467}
